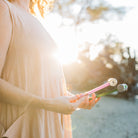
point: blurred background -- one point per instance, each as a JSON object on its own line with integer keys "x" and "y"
{"x": 97, "y": 40}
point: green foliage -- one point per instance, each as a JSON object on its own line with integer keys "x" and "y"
{"x": 87, "y": 74}
{"x": 80, "y": 11}
{"x": 112, "y": 61}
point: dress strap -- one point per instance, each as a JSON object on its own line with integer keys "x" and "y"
{"x": 8, "y": 4}
{"x": 11, "y": 39}
{"x": 11, "y": 14}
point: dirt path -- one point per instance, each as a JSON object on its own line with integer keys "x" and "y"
{"x": 110, "y": 118}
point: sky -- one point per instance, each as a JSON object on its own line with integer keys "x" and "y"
{"x": 125, "y": 30}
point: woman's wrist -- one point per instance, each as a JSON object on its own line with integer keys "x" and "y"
{"x": 38, "y": 102}
{"x": 46, "y": 103}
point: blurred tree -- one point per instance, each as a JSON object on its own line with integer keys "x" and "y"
{"x": 106, "y": 65}
{"x": 113, "y": 61}
{"x": 79, "y": 11}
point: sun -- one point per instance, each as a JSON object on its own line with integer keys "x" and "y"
{"x": 66, "y": 41}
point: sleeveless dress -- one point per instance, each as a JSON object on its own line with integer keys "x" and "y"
{"x": 31, "y": 66}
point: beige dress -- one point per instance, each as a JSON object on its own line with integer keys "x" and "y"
{"x": 29, "y": 64}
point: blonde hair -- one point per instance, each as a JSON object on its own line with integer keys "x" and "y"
{"x": 43, "y": 6}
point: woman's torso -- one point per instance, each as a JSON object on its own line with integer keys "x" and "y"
{"x": 30, "y": 64}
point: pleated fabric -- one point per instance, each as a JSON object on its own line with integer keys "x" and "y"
{"x": 29, "y": 63}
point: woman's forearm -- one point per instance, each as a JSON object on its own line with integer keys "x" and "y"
{"x": 11, "y": 94}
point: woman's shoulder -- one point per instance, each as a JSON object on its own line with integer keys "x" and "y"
{"x": 5, "y": 18}
{"x": 4, "y": 11}
{"x": 3, "y": 7}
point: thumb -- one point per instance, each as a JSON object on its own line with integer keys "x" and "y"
{"x": 76, "y": 104}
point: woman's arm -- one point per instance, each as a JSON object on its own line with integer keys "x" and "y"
{"x": 11, "y": 94}
{"x": 16, "y": 96}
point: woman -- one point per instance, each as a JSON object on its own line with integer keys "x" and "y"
{"x": 33, "y": 95}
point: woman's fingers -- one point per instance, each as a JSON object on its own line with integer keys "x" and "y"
{"x": 97, "y": 99}
{"x": 78, "y": 96}
{"x": 83, "y": 102}
{"x": 86, "y": 100}
{"x": 92, "y": 101}
{"x": 91, "y": 104}
{"x": 73, "y": 98}
{"x": 78, "y": 102}
{"x": 92, "y": 98}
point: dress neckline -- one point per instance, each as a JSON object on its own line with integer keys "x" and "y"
{"x": 18, "y": 7}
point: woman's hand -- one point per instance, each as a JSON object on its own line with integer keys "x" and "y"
{"x": 63, "y": 104}
{"x": 88, "y": 102}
